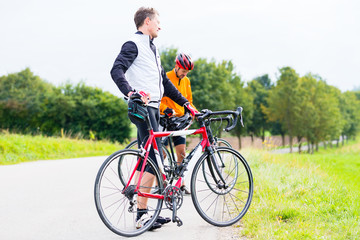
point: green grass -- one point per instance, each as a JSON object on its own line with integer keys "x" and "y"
{"x": 301, "y": 196}
{"x": 296, "y": 196}
{"x": 16, "y": 148}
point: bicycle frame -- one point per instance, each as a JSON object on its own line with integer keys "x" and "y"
{"x": 152, "y": 142}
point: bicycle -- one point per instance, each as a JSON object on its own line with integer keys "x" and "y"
{"x": 175, "y": 124}
{"x": 221, "y": 181}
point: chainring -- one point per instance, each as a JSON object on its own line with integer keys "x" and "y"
{"x": 172, "y": 193}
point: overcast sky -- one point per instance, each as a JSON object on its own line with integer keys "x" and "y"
{"x": 78, "y": 40}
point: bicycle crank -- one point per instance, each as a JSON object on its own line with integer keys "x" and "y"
{"x": 173, "y": 197}
{"x": 175, "y": 218}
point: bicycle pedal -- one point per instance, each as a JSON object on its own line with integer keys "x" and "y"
{"x": 178, "y": 221}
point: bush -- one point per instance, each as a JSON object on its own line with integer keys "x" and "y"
{"x": 28, "y": 104}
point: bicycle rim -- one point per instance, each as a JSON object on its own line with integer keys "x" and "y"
{"x": 115, "y": 208}
{"x": 217, "y": 203}
{"x": 129, "y": 166}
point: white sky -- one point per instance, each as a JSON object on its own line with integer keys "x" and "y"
{"x": 80, "y": 39}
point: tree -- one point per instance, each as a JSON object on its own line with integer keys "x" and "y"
{"x": 216, "y": 86}
{"x": 210, "y": 84}
{"x": 329, "y": 122}
{"x": 335, "y": 119}
{"x": 28, "y": 104}
{"x": 259, "y": 89}
{"x": 308, "y": 118}
{"x": 320, "y": 118}
{"x": 96, "y": 112}
{"x": 57, "y": 114}
{"x": 283, "y": 101}
{"x": 168, "y": 56}
{"x": 350, "y": 110}
{"x": 22, "y": 97}
{"x": 244, "y": 99}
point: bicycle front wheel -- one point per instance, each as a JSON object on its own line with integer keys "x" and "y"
{"x": 222, "y": 187}
{"x": 223, "y": 143}
{"x": 117, "y": 206}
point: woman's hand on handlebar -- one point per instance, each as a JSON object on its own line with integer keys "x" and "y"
{"x": 188, "y": 107}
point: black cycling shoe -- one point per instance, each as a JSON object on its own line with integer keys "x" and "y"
{"x": 185, "y": 190}
{"x": 162, "y": 220}
{"x": 156, "y": 225}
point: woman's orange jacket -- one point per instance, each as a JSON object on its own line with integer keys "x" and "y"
{"x": 183, "y": 85}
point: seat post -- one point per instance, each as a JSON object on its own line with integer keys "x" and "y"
{"x": 148, "y": 123}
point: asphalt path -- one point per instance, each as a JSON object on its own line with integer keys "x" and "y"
{"x": 53, "y": 200}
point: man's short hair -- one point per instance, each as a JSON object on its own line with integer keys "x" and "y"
{"x": 142, "y": 13}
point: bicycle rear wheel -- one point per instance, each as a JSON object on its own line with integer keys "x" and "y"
{"x": 222, "y": 203}
{"x": 167, "y": 158}
{"x": 118, "y": 208}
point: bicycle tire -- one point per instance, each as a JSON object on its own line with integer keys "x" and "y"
{"x": 218, "y": 205}
{"x": 222, "y": 143}
{"x": 114, "y": 208}
{"x": 170, "y": 166}
{"x": 132, "y": 145}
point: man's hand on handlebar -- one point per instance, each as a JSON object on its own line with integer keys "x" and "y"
{"x": 145, "y": 97}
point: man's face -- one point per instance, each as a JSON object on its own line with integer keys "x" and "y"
{"x": 180, "y": 72}
{"x": 154, "y": 26}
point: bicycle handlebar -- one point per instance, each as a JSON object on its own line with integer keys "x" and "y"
{"x": 220, "y": 119}
{"x": 205, "y": 113}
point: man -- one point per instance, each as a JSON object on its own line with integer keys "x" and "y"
{"x": 183, "y": 64}
{"x": 138, "y": 73}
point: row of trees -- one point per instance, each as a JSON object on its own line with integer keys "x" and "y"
{"x": 29, "y": 104}
{"x": 304, "y": 107}
{"x": 308, "y": 108}
{"x": 299, "y": 106}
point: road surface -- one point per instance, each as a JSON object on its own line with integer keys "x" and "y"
{"x": 53, "y": 200}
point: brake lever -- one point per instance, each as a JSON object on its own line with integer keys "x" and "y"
{"x": 239, "y": 110}
{"x": 237, "y": 113}
{"x": 228, "y": 118}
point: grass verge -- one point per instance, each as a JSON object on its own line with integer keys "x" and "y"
{"x": 15, "y": 148}
{"x": 301, "y": 196}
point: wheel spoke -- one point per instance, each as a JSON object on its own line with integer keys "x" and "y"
{"x": 222, "y": 204}
{"x": 117, "y": 208}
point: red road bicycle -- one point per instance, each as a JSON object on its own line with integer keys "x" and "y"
{"x": 221, "y": 181}
{"x": 181, "y": 123}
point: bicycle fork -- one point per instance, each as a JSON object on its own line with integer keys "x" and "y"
{"x": 213, "y": 163}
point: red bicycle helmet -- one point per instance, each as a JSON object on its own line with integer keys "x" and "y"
{"x": 184, "y": 61}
